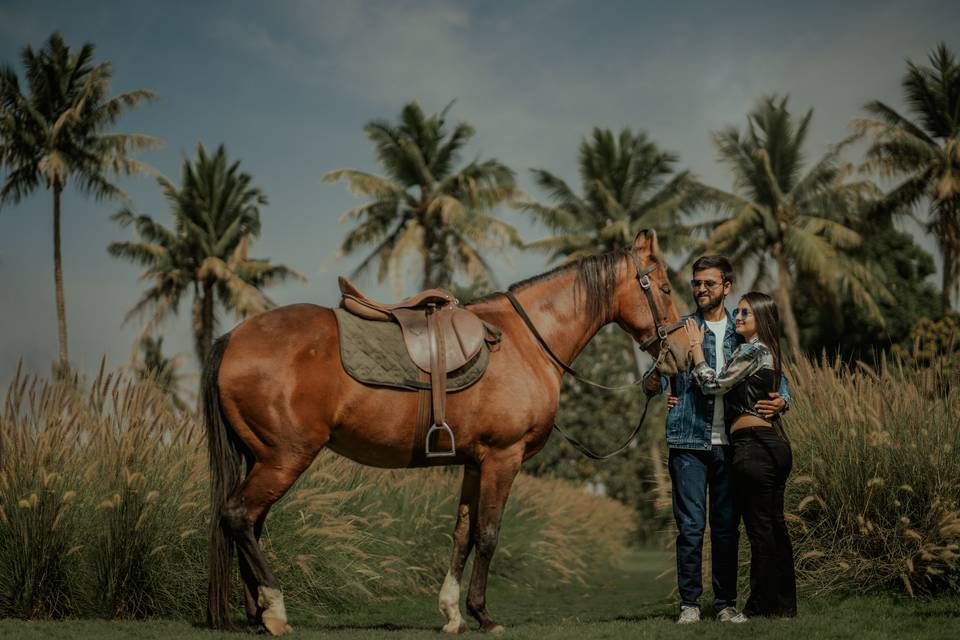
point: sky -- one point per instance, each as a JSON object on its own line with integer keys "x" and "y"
{"x": 288, "y": 86}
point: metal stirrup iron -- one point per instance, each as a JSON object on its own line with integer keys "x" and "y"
{"x": 443, "y": 426}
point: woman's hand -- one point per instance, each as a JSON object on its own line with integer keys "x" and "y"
{"x": 694, "y": 331}
{"x": 672, "y": 402}
{"x": 695, "y": 335}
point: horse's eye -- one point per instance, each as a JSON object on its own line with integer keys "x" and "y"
{"x": 665, "y": 288}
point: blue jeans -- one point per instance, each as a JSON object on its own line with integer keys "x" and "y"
{"x": 692, "y": 472}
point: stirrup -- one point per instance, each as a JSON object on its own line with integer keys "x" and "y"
{"x": 441, "y": 454}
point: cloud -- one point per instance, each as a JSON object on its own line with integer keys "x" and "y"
{"x": 533, "y": 80}
{"x": 16, "y": 25}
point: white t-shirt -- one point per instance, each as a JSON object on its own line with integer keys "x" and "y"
{"x": 719, "y": 329}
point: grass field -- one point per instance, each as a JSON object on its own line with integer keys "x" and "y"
{"x": 628, "y": 602}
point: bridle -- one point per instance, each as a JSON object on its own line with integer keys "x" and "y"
{"x": 661, "y": 332}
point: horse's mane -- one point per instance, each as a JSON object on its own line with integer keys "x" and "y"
{"x": 596, "y": 280}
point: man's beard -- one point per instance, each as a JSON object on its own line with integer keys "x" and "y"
{"x": 710, "y": 305}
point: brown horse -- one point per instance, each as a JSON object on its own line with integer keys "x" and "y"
{"x": 275, "y": 394}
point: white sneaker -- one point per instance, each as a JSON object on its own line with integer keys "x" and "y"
{"x": 729, "y": 614}
{"x": 689, "y": 615}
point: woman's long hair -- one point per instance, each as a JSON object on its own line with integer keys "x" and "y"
{"x": 767, "y": 315}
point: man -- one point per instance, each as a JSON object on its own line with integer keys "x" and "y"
{"x": 700, "y": 455}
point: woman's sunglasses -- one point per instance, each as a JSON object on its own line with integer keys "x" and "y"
{"x": 741, "y": 313}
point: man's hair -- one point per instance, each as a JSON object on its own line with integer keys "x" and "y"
{"x": 715, "y": 262}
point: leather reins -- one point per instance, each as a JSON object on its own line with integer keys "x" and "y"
{"x": 662, "y": 331}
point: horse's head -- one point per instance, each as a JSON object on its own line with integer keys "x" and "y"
{"x": 645, "y": 309}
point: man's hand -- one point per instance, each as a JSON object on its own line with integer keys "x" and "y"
{"x": 672, "y": 402}
{"x": 652, "y": 383}
{"x": 770, "y": 408}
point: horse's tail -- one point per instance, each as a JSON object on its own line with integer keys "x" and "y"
{"x": 225, "y": 460}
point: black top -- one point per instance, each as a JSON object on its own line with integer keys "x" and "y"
{"x": 749, "y": 376}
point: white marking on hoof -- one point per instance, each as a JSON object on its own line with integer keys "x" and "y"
{"x": 455, "y": 629}
{"x": 274, "y": 615}
{"x": 450, "y": 605}
{"x": 496, "y": 629}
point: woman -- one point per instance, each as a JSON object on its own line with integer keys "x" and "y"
{"x": 761, "y": 453}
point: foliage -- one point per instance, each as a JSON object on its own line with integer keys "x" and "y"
{"x": 103, "y": 512}
{"x": 925, "y": 153}
{"x": 932, "y": 342}
{"x": 216, "y": 215}
{"x": 873, "y": 498}
{"x": 602, "y": 420}
{"x": 425, "y": 206}
{"x": 844, "y": 328}
{"x": 58, "y": 132}
{"x": 785, "y": 215}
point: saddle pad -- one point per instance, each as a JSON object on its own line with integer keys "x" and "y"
{"x": 373, "y": 352}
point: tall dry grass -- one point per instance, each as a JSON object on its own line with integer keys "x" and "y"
{"x": 103, "y": 512}
{"x": 874, "y": 498}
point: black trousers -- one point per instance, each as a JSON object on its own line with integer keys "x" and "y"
{"x": 761, "y": 463}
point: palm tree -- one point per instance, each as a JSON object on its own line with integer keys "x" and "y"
{"x": 628, "y": 184}
{"x": 216, "y": 215}
{"x": 163, "y": 371}
{"x": 59, "y": 131}
{"x": 925, "y": 152}
{"x": 783, "y": 215}
{"x": 425, "y": 206}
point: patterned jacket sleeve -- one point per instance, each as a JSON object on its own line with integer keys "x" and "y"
{"x": 785, "y": 392}
{"x": 746, "y": 360}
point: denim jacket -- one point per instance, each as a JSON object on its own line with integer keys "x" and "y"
{"x": 690, "y": 423}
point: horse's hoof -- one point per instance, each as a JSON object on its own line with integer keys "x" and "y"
{"x": 274, "y": 614}
{"x": 455, "y": 628}
{"x": 495, "y": 629}
{"x": 276, "y": 627}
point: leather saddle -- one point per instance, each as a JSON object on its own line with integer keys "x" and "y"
{"x": 440, "y": 336}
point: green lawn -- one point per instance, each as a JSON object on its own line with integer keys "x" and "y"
{"x": 629, "y": 602}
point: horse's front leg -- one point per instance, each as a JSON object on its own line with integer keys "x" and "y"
{"x": 497, "y": 473}
{"x": 462, "y": 544}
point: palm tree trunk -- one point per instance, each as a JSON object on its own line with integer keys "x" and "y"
{"x": 428, "y": 252}
{"x": 63, "y": 364}
{"x": 949, "y": 267}
{"x": 660, "y": 477}
{"x": 782, "y": 296}
{"x": 206, "y": 322}
{"x": 951, "y": 255}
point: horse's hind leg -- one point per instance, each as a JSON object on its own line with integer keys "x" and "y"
{"x": 246, "y": 574}
{"x": 249, "y": 581}
{"x": 497, "y": 472}
{"x": 264, "y": 486}
{"x": 462, "y": 544}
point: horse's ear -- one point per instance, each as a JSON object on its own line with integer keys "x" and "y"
{"x": 646, "y": 241}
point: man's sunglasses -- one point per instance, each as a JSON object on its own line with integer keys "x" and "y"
{"x": 741, "y": 313}
{"x": 709, "y": 284}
